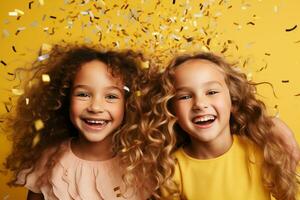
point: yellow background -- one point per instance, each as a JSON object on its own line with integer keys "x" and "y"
{"x": 251, "y": 31}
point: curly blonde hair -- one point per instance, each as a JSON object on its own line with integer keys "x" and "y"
{"x": 248, "y": 120}
{"x": 49, "y": 102}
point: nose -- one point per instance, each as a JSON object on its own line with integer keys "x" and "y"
{"x": 200, "y": 103}
{"x": 96, "y": 105}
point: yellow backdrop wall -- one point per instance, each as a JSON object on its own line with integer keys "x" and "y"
{"x": 261, "y": 34}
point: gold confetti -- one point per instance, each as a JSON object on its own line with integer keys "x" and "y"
{"x": 26, "y": 101}
{"x": 36, "y": 139}
{"x": 138, "y": 93}
{"x": 145, "y": 64}
{"x": 249, "y": 76}
{"x": 17, "y": 92}
{"x": 19, "y": 11}
{"x": 46, "y": 48}
{"x": 41, "y": 2}
{"x": 13, "y": 14}
{"x": 285, "y": 81}
{"x": 45, "y": 78}
{"x": 38, "y": 124}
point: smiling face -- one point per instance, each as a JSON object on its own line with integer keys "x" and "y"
{"x": 97, "y": 102}
{"x": 202, "y": 103}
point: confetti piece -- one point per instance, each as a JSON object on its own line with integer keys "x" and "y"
{"x": 297, "y": 95}
{"x": 26, "y": 101}
{"x": 43, "y": 57}
{"x": 275, "y": 9}
{"x": 41, "y": 2}
{"x": 285, "y": 81}
{"x": 249, "y": 76}
{"x": 29, "y": 4}
{"x": 17, "y": 92}
{"x": 145, "y": 64}
{"x": 38, "y": 124}
{"x": 14, "y": 49}
{"x": 291, "y": 29}
{"x": 19, "y": 11}
{"x": 8, "y": 107}
{"x": 267, "y": 54}
{"x": 35, "y": 140}
{"x": 251, "y": 23}
{"x": 13, "y": 14}
{"x": 138, "y": 93}
{"x": 174, "y": 1}
{"x": 4, "y": 63}
{"x": 52, "y": 17}
{"x": 45, "y": 78}
{"x": 46, "y": 48}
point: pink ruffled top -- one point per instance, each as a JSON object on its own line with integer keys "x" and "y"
{"x": 75, "y": 178}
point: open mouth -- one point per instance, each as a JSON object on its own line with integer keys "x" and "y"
{"x": 99, "y": 123}
{"x": 204, "y": 120}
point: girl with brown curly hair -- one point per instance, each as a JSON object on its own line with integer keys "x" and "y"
{"x": 226, "y": 146}
{"x": 65, "y": 128}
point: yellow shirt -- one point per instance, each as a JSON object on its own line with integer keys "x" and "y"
{"x": 236, "y": 175}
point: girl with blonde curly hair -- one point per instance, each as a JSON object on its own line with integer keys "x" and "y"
{"x": 65, "y": 127}
{"x": 205, "y": 112}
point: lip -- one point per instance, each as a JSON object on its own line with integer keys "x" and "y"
{"x": 203, "y": 126}
{"x": 94, "y": 127}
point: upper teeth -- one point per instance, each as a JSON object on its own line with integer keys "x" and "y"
{"x": 204, "y": 118}
{"x": 96, "y": 121}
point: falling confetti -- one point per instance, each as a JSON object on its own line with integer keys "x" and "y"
{"x": 138, "y": 93}
{"x": 43, "y": 57}
{"x": 45, "y": 78}
{"x": 29, "y": 4}
{"x": 35, "y": 140}
{"x": 145, "y": 64}
{"x": 291, "y": 29}
{"x": 38, "y": 124}
{"x": 285, "y": 81}
{"x": 17, "y": 92}
{"x": 4, "y": 63}
{"x": 14, "y": 49}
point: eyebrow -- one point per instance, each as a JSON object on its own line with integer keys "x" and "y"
{"x": 205, "y": 84}
{"x": 105, "y": 88}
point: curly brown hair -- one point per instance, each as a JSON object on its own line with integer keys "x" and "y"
{"x": 49, "y": 102}
{"x": 248, "y": 120}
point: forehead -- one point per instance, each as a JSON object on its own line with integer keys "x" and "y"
{"x": 96, "y": 72}
{"x": 197, "y": 71}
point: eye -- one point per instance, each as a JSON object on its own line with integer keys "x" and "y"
{"x": 112, "y": 96}
{"x": 212, "y": 92}
{"x": 82, "y": 94}
{"x": 184, "y": 97}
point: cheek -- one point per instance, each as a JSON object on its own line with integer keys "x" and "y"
{"x": 181, "y": 110}
{"x": 119, "y": 111}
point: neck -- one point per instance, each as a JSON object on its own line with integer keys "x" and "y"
{"x": 93, "y": 151}
{"x": 211, "y": 149}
